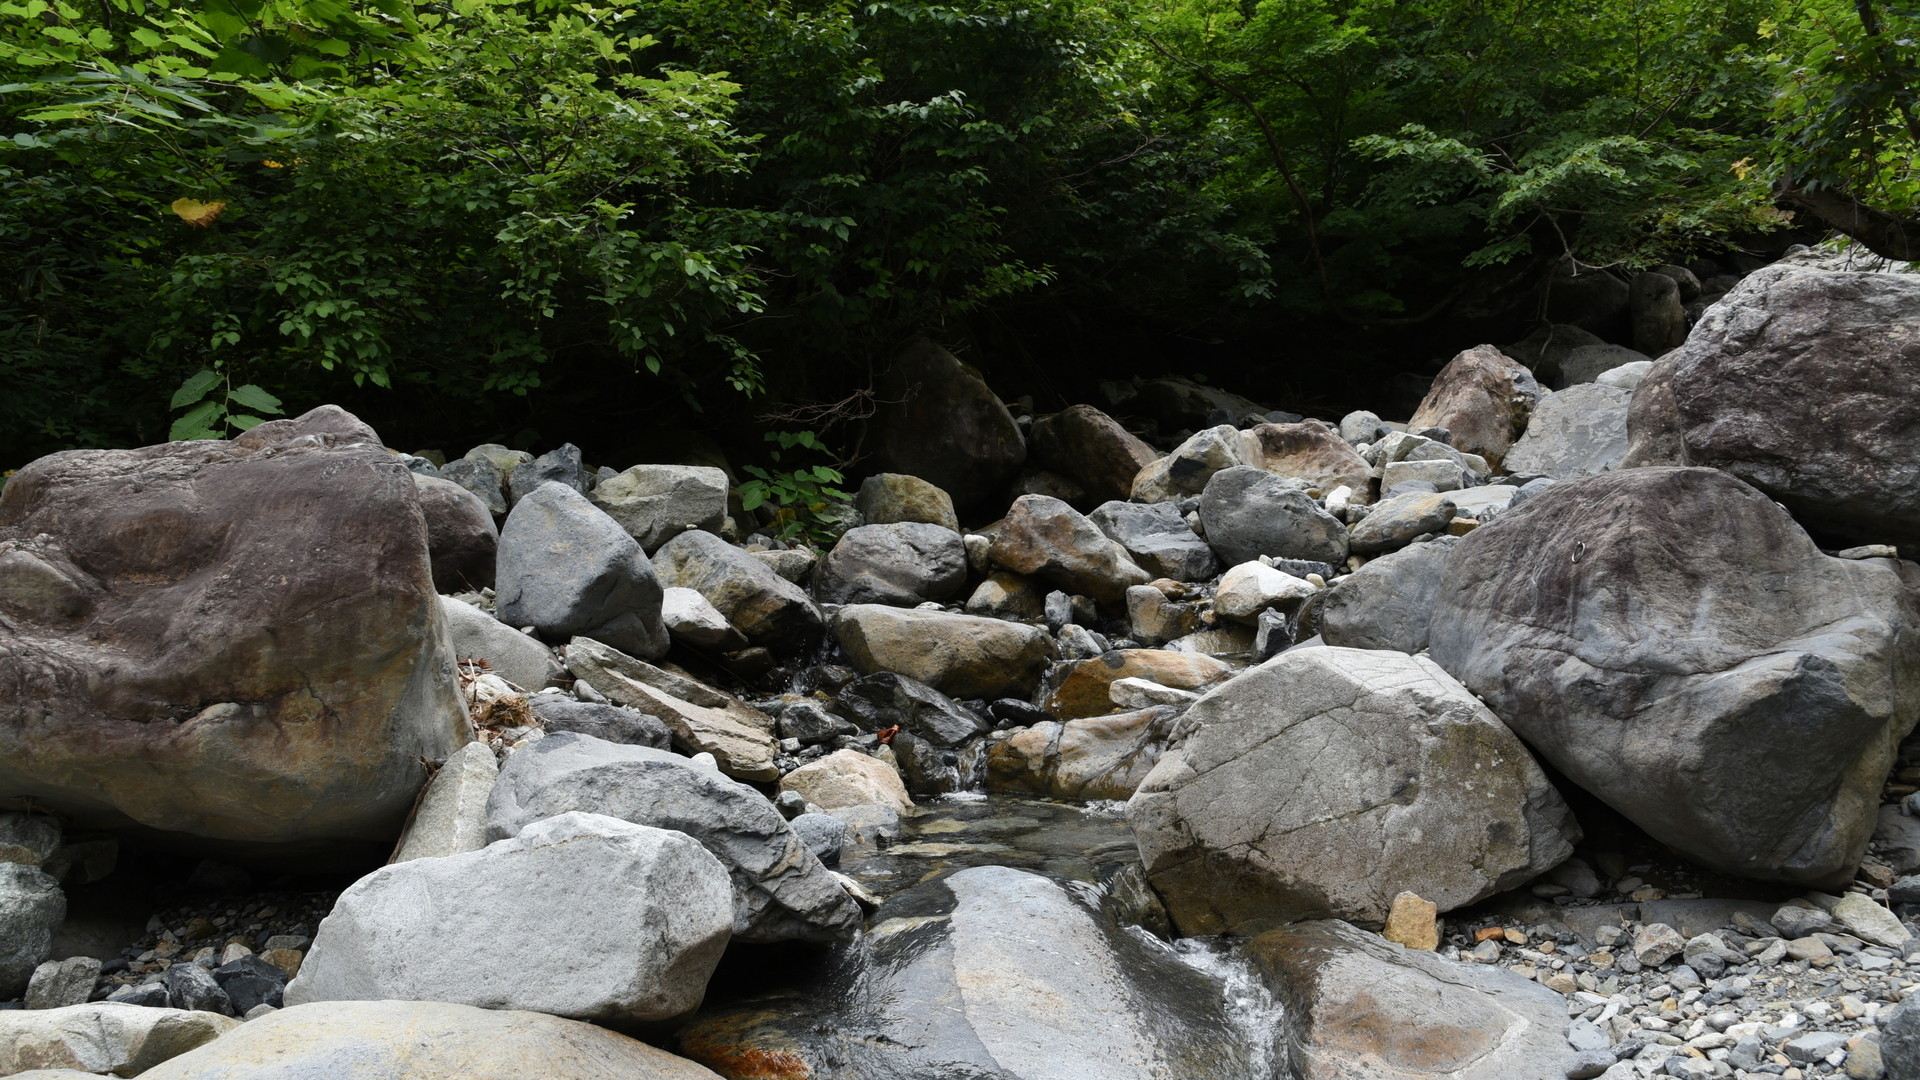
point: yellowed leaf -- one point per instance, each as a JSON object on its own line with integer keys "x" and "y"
{"x": 196, "y": 213}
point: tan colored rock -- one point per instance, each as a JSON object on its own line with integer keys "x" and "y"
{"x": 962, "y": 656}
{"x": 1152, "y": 618}
{"x": 848, "y": 778}
{"x": 769, "y": 609}
{"x": 1101, "y": 757}
{"x": 887, "y": 498}
{"x": 737, "y": 735}
{"x": 1048, "y": 539}
{"x": 1092, "y": 448}
{"x": 1483, "y": 398}
{"x": 1313, "y": 452}
{"x": 1081, "y": 688}
{"x": 103, "y": 1037}
{"x": 1007, "y": 595}
{"x": 1413, "y": 922}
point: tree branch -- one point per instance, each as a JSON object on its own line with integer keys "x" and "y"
{"x": 1882, "y": 233}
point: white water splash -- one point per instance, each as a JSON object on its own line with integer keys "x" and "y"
{"x": 1250, "y": 1007}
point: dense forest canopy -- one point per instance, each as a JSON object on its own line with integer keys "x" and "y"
{"x": 533, "y": 219}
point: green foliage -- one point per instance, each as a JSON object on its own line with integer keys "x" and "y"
{"x": 805, "y": 505}
{"x": 1848, "y": 112}
{"x": 210, "y": 415}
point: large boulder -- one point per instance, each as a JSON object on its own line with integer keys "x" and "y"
{"x": 937, "y": 420}
{"x": 462, "y": 539}
{"x": 761, "y": 604}
{"x": 1360, "y": 1007}
{"x": 655, "y": 503}
{"x": 1091, "y": 448}
{"x": 1097, "y": 757}
{"x": 1579, "y": 431}
{"x": 1395, "y": 522}
{"x": 1483, "y": 399}
{"x": 1048, "y": 539}
{"x": 408, "y": 1040}
{"x": 1158, "y": 538}
{"x": 233, "y": 641}
{"x": 1659, "y": 318}
{"x": 1387, "y": 603}
{"x": 104, "y": 1037}
{"x": 1800, "y": 382}
{"x": 639, "y": 916}
{"x": 887, "y": 498}
{"x": 510, "y": 654}
{"x": 1543, "y": 350}
{"x": 987, "y": 972}
{"x": 1328, "y": 780}
{"x": 32, "y": 907}
{"x": 567, "y": 568}
{"x": 1084, "y": 687}
{"x": 1313, "y": 453}
{"x": 1674, "y": 643}
{"x": 904, "y": 564}
{"x": 964, "y": 656}
{"x": 780, "y": 892}
{"x": 1249, "y": 512}
{"x": 1185, "y": 472}
{"x": 613, "y": 723}
{"x": 562, "y": 465}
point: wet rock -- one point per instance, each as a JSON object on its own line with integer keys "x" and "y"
{"x": 610, "y": 722}
{"x": 770, "y": 610}
{"x": 1100, "y": 757}
{"x": 937, "y": 420}
{"x": 103, "y": 1037}
{"x": 1660, "y": 634}
{"x": 1483, "y": 399}
{"x": 1579, "y": 431}
{"x": 895, "y": 497}
{"x": 964, "y": 656}
{"x": 1322, "y": 753}
{"x": 902, "y": 564}
{"x": 655, "y": 503}
{"x": 566, "y": 568}
{"x": 1047, "y": 539}
{"x": 1093, "y": 449}
{"x": 452, "y": 814}
{"x": 1388, "y": 603}
{"x": 1249, "y": 512}
{"x": 1185, "y": 472}
{"x": 461, "y": 536}
{"x": 780, "y": 891}
{"x": 1158, "y": 538}
{"x": 201, "y": 606}
{"x": 847, "y": 778}
{"x": 508, "y": 653}
{"x": 1083, "y": 687}
{"x": 811, "y": 724}
{"x": 402, "y": 1040}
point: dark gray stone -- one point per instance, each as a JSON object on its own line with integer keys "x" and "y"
{"x": 32, "y": 907}
{"x": 480, "y": 477}
{"x": 772, "y": 611}
{"x": 250, "y": 981}
{"x": 609, "y": 722}
{"x": 903, "y": 564}
{"x": 1393, "y": 523}
{"x": 884, "y": 699}
{"x": 462, "y": 540}
{"x": 1158, "y": 538}
{"x": 1249, "y": 512}
{"x": 823, "y": 834}
{"x": 1900, "y": 1041}
{"x": 152, "y": 995}
{"x": 190, "y": 986}
{"x": 559, "y": 466}
{"x": 812, "y": 724}
{"x": 1387, "y": 603}
{"x": 567, "y": 569}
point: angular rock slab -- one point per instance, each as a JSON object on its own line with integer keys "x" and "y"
{"x": 1388, "y": 603}
{"x": 988, "y": 972}
{"x": 103, "y": 1037}
{"x": 1800, "y": 381}
{"x": 780, "y": 892}
{"x": 889, "y": 498}
{"x": 408, "y": 1040}
{"x": 32, "y": 907}
{"x": 702, "y": 720}
{"x": 1674, "y": 643}
{"x": 1579, "y": 431}
{"x": 1362, "y": 1008}
{"x": 618, "y": 924}
{"x": 1328, "y": 780}
{"x": 761, "y": 604}
{"x": 1313, "y": 453}
{"x": 1099, "y": 757}
{"x": 848, "y": 778}
{"x": 237, "y": 642}
{"x": 1186, "y": 471}
{"x": 964, "y": 656}
{"x": 1158, "y": 538}
{"x": 512, "y": 655}
{"x": 452, "y": 814}
{"x": 566, "y": 568}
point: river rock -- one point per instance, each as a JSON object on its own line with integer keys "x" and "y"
{"x": 1483, "y": 399}
{"x": 1670, "y": 639}
{"x": 1082, "y": 687}
{"x": 613, "y": 723}
{"x": 1360, "y": 1007}
{"x": 1097, "y": 757}
{"x": 1093, "y": 449}
{"x": 964, "y": 656}
{"x": 847, "y": 778}
{"x": 236, "y": 642}
{"x": 408, "y": 1040}
{"x": 655, "y": 503}
{"x": 703, "y": 720}
{"x": 1253, "y": 587}
{"x": 1048, "y": 539}
{"x": 482, "y": 479}
{"x": 558, "y": 466}
{"x": 770, "y": 610}
{"x": 1394, "y": 523}
{"x": 640, "y": 916}
{"x": 887, "y": 498}
{"x": 885, "y": 698}
{"x": 903, "y": 564}
{"x": 1328, "y": 780}
{"x": 1588, "y": 363}
{"x": 691, "y": 619}
{"x": 461, "y": 536}
{"x": 1249, "y": 512}
{"x": 1185, "y": 472}
{"x": 987, "y": 972}
{"x": 567, "y": 568}
{"x": 508, "y": 653}
{"x": 780, "y": 892}
{"x": 1313, "y": 453}
{"x": 104, "y": 1037}
{"x": 1579, "y": 431}
{"x": 32, "y": 907}
{"x": 452, "y": 814}
{"x": 1387, "y": 603}
{"x": 1006, "y": 595}
{"x": 1158, "y": 538}
{"x": 1799, "y": 382}
{"x": 937, "y": 420}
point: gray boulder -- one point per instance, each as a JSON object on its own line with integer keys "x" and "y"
{"x": 887, "y": 498}
{"x": 1328, "y": 780}
{"x": 612, "y": 723}
{"x": 105, "y": 1037}
{"x": 1800, "y": 382}
{"x": 1158, "y": 538}
{"x": 515, "y": 657}
{"x": 1185, "y": 472}
{"x": 1579, "y": 431}
{"x": 1543, "y": 350}
{"x": 1249, "y": 512}
{"x": 482, "y": 479}
{"x": 761, "y": 604}
{"x": 1313, "y": 453}
{"x": 702, "y": 719}
{"x": 655, "y": 503}
{"x": 462, "y": 539}
{"x": 558, "y": 466}
{"x": 1588, "y": 363}
{"x": 780, "y": 892}
{"x": 1900, "y": 1041}
{"x": 694, "y": 621}
{"x": 1360, "y": 1007}
{"x": 28, "y": 838}
{"x": 640, "y": 916}
{"x": 451, "y": 816}
{"x": 407, "y": 1040}
{"x": 1084, "y": 759}
{"x": 1672, "y": 641}
{"x": 1387, "y": 603}
{"x": 1048, "y": 539}
{"x": 32, "y": 907}
{"x": 883, "y": 699}
{"x": 57, "y": 984}
{"x": 903, "y": 564}
{"x": 989, "y": 972}
{"x": 1394, "y": 523}
{"x": 566, "y": 568}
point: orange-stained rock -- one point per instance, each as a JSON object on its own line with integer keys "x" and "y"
{"x": 1483, "y": 398}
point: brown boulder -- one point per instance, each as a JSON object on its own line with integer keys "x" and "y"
{"x": 1050, "y": 540}
{"x": 1081, "y": 687}
{"x": 1097, "y": 757}
{"x": 938, "y": 421}
{"x": 233, "y": 641}
{"x": 1313, "y": 453}
{"x": 1483, "y": 398}
{"x": 1092, "y": 448}
{"x": 963, "y": 656}
{"x": 461, "y": 536}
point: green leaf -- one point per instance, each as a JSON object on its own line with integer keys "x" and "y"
{"x": 255, "y": 398}
{"x": 194, "y": 388}
{"x": 197, "y": 424}
{"x": 244, "y": 422}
